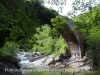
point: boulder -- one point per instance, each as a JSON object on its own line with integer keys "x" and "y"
{"x": 27, "y": 55}
{"x": 56, "y": 58}
{"x": 11, "y": 59}
{"x": 58, "y": 63}
{"x": 30, "y": 55}
{"x": 64, "y": 55}
{"x": 17, "y": 57}
{"x": 9, "y": 66}
{"x": 49, "y": 60}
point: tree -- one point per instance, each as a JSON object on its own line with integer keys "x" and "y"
{"x": 15, "y": 24}
{"x": 58, "y": 3}
{"x": 88, "y": 23}
{"x": 47, "y": 43}
{"x": 25, "y": 20}
{"x": 20, "y": 18}
{"x": 82, "y": 6}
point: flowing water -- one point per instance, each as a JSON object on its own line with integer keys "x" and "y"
{"x": 46, "y": 70}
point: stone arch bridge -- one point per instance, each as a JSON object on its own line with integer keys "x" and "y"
{"x": 73, "y": 39}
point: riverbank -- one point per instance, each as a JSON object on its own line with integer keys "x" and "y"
{"x": 59, "y": 71}
{"x": 9, "y": 66}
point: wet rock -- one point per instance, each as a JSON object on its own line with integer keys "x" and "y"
{"x": 86, "y": 67}
{"x": 22, "y": 53}
{"x": 76, "y": 64}
{"x": 9, "y": 66}
{"x": 58, "y": 63}
{"x": 34, "y": 58}
{"x": 84, "y": 63}
{"x": 64, "y": 55}
{"x": 11, "y": 59}
{"x": 27, "y": 55}
{"x": 2, "y": 69}
{"x": 17, "y": 57}
{"x": 85, "y": 58}
{"x": 33, "y": 55}
{"x": 67, "y": 54}
{"x": 42, "y": 53}
{"x": 49, "y": 60}
{"x": 38, "y": 53}
{"x": 57, "y": 59}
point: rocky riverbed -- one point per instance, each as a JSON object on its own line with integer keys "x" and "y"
{"x": 25, "y": 60}
{"x": 31, "y": 59}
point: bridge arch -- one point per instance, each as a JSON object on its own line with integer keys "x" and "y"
{"x": 72, "y": 38}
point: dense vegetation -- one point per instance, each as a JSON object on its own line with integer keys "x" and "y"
{"x": 47, "y": 43}
{"x": 89, "y": 25}
{"x": 21, "y": 21}
{"x": 36, "y": 27}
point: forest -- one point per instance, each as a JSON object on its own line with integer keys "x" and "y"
{"x": 29, "y": 24}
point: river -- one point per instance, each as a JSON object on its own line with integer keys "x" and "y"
{"x": 33, "y": 69}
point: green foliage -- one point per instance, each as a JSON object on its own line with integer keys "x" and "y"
{"x": 9, "y": 49}
{"x": 82, "y": 6}
{"x": 19, "y": 20}
{"x": 89, "y": 25}
{"x": 15, "y": 25}
{"x": 60, "y": 45}
{"x": 45, "y": 42}
{"x": 59, "y": 22}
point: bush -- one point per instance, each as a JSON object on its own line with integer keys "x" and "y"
{"x": 8, "y": 49}
{"x": 48, "y": 43}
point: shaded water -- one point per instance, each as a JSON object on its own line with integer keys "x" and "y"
{"x": 60, "y": 71}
